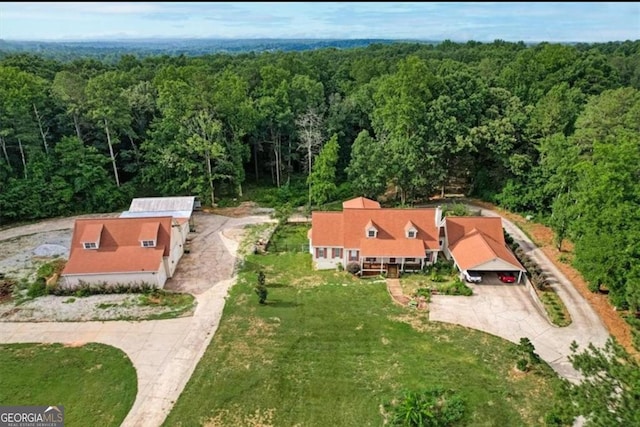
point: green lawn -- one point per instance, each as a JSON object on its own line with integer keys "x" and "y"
{"x": 95, "y": 383}
{"x": 290, "y": 238}
{"x": 329, "y": 350}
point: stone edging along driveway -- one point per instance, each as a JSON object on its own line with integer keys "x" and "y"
{"x": 510, "y": 312}
{"x": 163, "y": 352}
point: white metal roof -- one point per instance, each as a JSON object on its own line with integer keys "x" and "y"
{"x": 152, "y": 214}
{"x": 164, "y": 204}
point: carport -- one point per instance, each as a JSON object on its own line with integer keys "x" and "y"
{"x": 477, "y": 244}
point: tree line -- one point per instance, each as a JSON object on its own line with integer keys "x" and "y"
{"x": 548, "y": 129}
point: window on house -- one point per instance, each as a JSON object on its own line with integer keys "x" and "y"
{"x": 371, "y": 232}
{"x": 321, "y": 252}
{"x": 148, "y": 243}
{"x": 353, "y": 255}
{"x": 411, "y": 234}
{"x": 90, "y": 245}
{"x": 336, "y": 253}
{"x": 409, "y": 260}
{"x": 370, "y": 259}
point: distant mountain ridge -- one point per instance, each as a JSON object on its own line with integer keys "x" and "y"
{"x": 190, "y": 47}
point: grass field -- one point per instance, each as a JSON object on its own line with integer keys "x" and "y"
{"x": 331, "y": 350}
{"x": 95, "y": 383}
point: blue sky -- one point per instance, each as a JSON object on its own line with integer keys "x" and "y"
{"x": 485, "y": 22}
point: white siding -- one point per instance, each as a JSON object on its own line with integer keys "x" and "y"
{"x": 327, "y": 262}
{"x": 175, "y": 252}
{"x": 156, "y": 278}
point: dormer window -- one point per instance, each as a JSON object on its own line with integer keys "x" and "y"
{"x": 149, "y": 234}
{"x": 90, "y": 237}
{"x": 410, "y": 230}
{"x": 90, "y": 245}
{"x": 371, "y": 230}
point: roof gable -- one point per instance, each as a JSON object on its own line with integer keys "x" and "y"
{"x": 482, "y": 243}
{"x": 360, "y": 203}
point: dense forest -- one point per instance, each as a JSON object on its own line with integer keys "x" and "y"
{"x": 549, "y": 129}
{"x": 110, "y": 51}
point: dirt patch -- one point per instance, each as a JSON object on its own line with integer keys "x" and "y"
{"x": 234, "y": 417}
{"x": 543, "y": 237}
{"x": 419, "y": 321}
{"x": 240, "y": 211}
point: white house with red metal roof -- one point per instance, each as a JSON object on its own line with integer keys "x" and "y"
{"x": 380, "y": 240}
{"x": 391, "y": 241}
{"x": 123, "y": 251}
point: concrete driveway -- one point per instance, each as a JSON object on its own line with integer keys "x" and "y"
{"x": 509, "y": 311}
{"x": 164, "y": 352}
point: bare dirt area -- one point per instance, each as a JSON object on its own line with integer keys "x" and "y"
{"x": 240, "y": 211}
{"x": 544, "y": 238}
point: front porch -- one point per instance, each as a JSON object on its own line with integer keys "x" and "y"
{"x": 392, "y": 267}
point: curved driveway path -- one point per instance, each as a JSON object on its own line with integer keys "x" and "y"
{"x": 509, "y": 311}
{"x": 164, "y": 352}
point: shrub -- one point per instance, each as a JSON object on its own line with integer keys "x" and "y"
{"x": 84, "y": 289}
{"x": 458, "y": 287}
{"x": 424, "y": 292}
{"x": 261, "y": 288}
{"x": 432, "y": 407}
{"x": 436, "y": 277}
{"x": 37, "y": 288}
{"x": 522, "y": 365}
{"x": 507, "y": 237}
{"x": 353, "y": 268}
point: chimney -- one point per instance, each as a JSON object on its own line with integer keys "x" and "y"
{"x": 438, "y": 216}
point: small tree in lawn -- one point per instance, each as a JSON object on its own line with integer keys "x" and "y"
{"x": 526, "y": 354}
{"x": 261, "y": 288}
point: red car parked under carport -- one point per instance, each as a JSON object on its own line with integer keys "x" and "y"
{"x": 507, "y": 277}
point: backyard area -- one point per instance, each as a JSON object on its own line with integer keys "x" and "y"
{"x": 330, "y": 349}
{"x": 95, "y": 383}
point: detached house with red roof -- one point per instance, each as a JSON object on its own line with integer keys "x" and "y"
{"x": 391, "y": 241}
{"x": 380, "y": 240}
{"x": 123, "y": 250}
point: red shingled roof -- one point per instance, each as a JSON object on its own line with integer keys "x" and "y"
{"x": 119, "y": 249}
{"x": 347, "y": 229}
{"x": 474, "y": 241}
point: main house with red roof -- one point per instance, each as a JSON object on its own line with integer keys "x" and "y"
{"x": 123, "y": 250}
{"x": 380, "y": 240}
{"x": 391, "y": 241}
